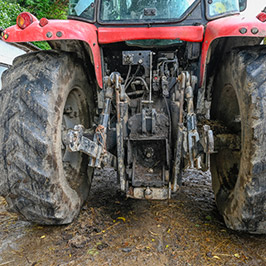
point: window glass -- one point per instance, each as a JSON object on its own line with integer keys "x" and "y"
{"x": 82, "y": 8}
{"x": 217, "y": 8}
{"x": 143, "y": 10}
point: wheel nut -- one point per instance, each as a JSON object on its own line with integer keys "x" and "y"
{"x": 148, "y": 155}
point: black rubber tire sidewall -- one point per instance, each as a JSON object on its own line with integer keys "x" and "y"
{"x": 42, "y": 81}
{"x": 243, "y": 206}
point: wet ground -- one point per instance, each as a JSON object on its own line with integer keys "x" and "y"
{"x": 113, "y": 230}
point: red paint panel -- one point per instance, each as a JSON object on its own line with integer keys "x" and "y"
{"x": 185, "y": 33}
{"x": 69, "y": 30}
{"x": 228, "y": 27}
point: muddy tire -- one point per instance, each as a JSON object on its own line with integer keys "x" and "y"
{"x": 239, "y": 174}
{"x": 43, "y": 95}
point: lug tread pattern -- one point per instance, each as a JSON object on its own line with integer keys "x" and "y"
{"x": 244, "y": 208}
{"x": 29, "y": 181}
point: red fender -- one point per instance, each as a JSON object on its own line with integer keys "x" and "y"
{"x": 234, "y": 26}
{"x": 60, "y": 30}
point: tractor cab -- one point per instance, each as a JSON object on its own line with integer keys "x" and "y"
{"x": 149, "y": 12}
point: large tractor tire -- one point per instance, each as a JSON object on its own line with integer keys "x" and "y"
{"x": 239, "y": 173}
{"x": 43, "y": 95}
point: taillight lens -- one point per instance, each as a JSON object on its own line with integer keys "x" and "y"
{"x": 43, "y": 22}
{"x": 262, "y": 17}
{"x": 24, "y": 20}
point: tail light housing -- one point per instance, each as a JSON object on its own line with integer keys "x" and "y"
{"x": 262, "y": 15}
{"x": 43, "y": 22}
{"x": 24, "y": 19}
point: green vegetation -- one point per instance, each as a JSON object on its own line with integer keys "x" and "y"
{"x": 46, "y": 8}
{"x": 40, "y": 8}
{"x": 51, "y": 9}
{"x": 8, "y": 13}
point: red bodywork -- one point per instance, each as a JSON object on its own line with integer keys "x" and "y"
{"x": 229, "y": 27}
{"x": 77, "y": 30}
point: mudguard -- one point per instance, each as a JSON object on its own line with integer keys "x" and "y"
{"x": 234, "y": 26}
{"x": 60, "y": 30}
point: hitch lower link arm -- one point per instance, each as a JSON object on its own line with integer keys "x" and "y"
{"x": 96, "y": 149}
{"x": 79, "y": 143}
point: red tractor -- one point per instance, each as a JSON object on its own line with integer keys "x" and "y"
{"x": 148, "y": 87}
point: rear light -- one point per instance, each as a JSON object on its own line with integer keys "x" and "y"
{"x": 262, "y": 15}
{"x": 24, "y": 20}
{"x": 43, "y": 22}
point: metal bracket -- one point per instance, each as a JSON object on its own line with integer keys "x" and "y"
{"x": 192, "y": 136}
{"x": 77, "y": 142}
{"x": 208, "y": 144}
{"x": 160, "y": 193}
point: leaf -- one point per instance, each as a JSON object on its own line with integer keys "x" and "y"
{"x": 237, "y": 255}
{"x": 208, "y": 217}
{"x": 93, "y": 252}
{"x": 121, "y": 218}
{"x": 42, "y": 237}
{"x": 154, "y": 234}
{"x": 216, "y": 257}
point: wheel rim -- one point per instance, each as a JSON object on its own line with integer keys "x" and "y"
{"x": 75, "y": 113}
{"x": 227, "y": 160}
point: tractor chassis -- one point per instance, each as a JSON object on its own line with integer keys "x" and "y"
{"x": 147, "y": 136}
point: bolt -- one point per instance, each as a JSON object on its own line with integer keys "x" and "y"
{"x": 59, "y": 34}
{"x": 254, "y": 30}
{"x": 149, "y": 152}
{"x": 148, "y": 193}
{"x": 148, "y": 155}
{"x": 243, "y": 30}
{"x": 49, "y": 34}
{"x": 68, "y": 110}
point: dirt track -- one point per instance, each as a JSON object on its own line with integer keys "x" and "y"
{"x": 112, "y": 230}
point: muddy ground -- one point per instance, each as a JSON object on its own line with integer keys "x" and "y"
{"x": 113, "y": 230}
